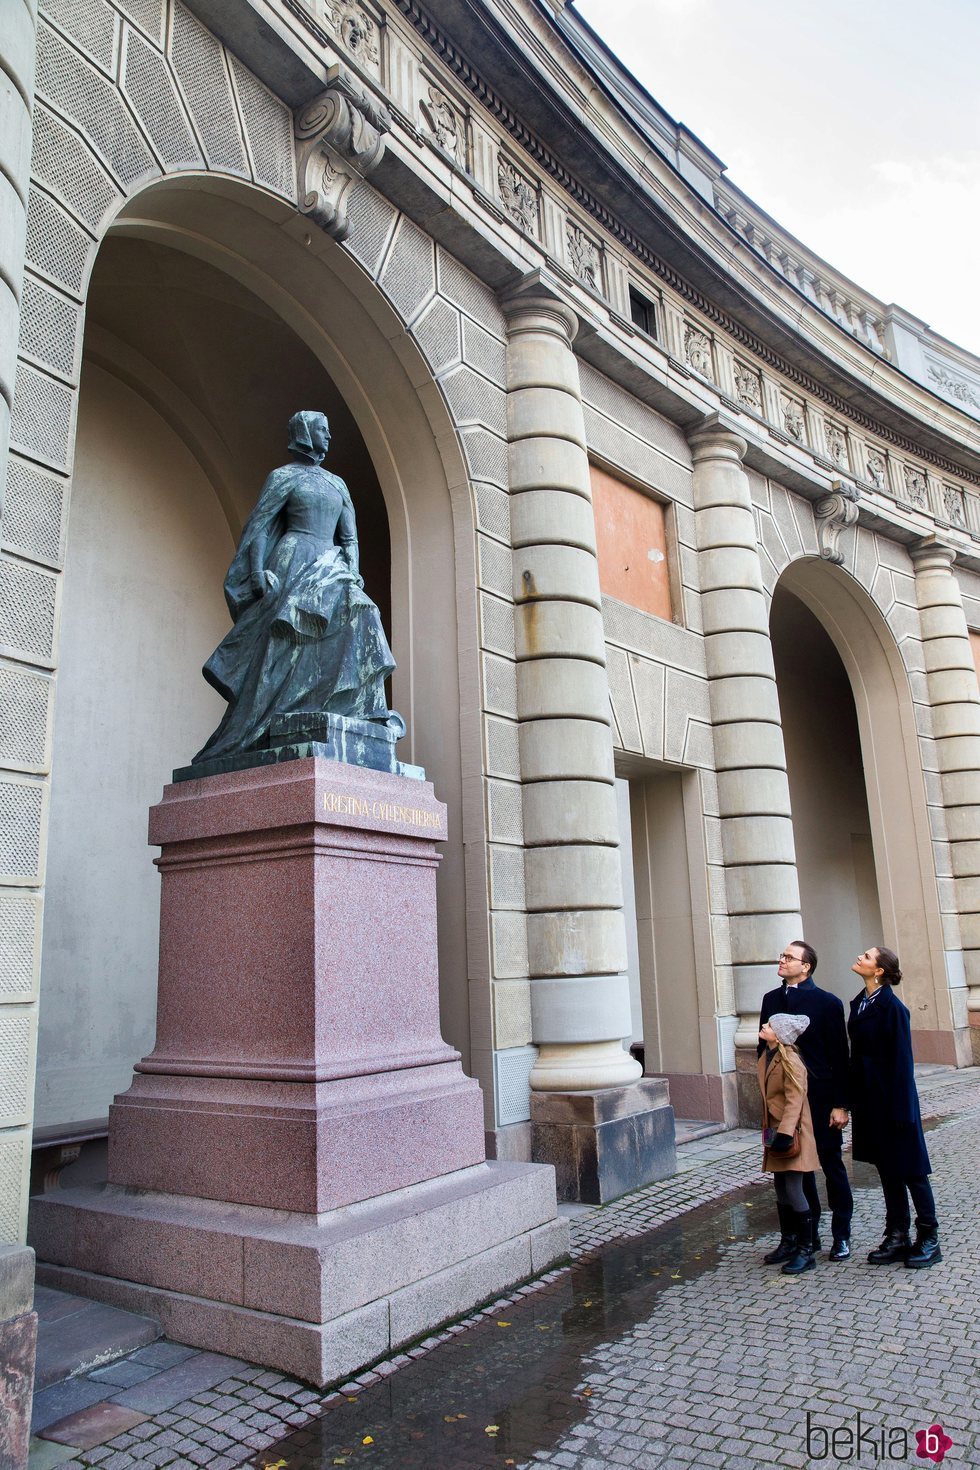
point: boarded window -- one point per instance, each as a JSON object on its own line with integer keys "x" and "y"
{"x": 631, "y": 540}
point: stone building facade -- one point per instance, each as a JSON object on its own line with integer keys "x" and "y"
{"x": 676, "y": 532}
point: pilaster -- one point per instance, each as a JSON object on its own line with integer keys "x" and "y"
{"x": 951, "y": 681}
{"x": 580, "y": 1005}
{"x": 758, "y": 851}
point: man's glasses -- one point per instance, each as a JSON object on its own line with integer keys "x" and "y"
{"x": 784, "y": 956}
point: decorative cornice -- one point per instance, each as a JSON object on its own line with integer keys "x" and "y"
{"x": 469, "y": 77}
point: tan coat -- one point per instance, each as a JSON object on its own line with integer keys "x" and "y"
{"x": 784, "y": 1105}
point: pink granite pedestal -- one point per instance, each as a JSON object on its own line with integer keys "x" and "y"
{"x": 299, "y": 1093}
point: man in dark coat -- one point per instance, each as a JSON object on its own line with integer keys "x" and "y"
{"x": 823, "y": 1047}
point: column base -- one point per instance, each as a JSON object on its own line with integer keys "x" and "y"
{"x": 583, "y": 1067}
{"x": 604, "y": 1144}
{"x": 318, "y": 1296}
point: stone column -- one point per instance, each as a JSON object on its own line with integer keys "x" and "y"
{"x": 580, "y": 1006}
{"x": 758, "y": 851}
{"x": 951, "y": 681}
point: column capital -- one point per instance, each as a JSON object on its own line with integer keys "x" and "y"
{"x": 536, "y": 303}
{"x": 932, "y": 554}
{"x": 716, "y": 437}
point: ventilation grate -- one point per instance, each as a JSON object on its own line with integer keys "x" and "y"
{"x": 148, "y": 86}
{"x": 409, "y": 275}
{"x": 21, "y": 806}
{"x": 269, "y": 130}
{"x": 48, "y": 328}
{"x": 13, "y": 1167}
{"x": 24, "y": 701}
{"x": 55, "y": 245}
{"x": 19, "y": 933}
{"x": 371, "y": 220}
{"x": 64, "y": 165}
{"x": 200, "y": 66}
{"x": 33, "y": 512}
{"x": 40, "y": 423}
{"x": 147, "y": 14}
{"x": 15, "y": 1069}
{"x": 27, "y": 608}
{"x": 83, "y": 95}
{"x": 90, "y": 23}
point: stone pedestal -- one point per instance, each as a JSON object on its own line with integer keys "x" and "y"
{"x": 300, "y": 1111}
{"x": 605, "y": 1144}
{"x": 18, "y": 1344}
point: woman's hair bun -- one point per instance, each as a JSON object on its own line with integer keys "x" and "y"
{"x": 888, "y": 960}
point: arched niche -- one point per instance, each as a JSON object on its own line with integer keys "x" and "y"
{"x": 286, "y": 288}
{"x": 907, "y": 895}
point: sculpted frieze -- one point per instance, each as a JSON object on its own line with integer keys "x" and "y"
{"x": 748, "y": 386}
{"x": 518, "y": 196}
{"x": 697, "y": 351}
{"x": 794, "y": 420}
{"x": 837, "y": 446}
{"x": 953, "y": 505}
{"x": 877, "y": 469}
{"x": 584, "y": 256}
{"x": 444, "y": 123}
{"x": 357, "y": 31}
{"x": 916, "y": 488}
{"x": 954, "y": 387}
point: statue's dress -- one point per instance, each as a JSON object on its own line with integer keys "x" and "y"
{"x": 311, "y": 641}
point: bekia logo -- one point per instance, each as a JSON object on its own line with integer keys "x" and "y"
{"x": 860, "y": 1440}
{"x": 932, "y": 1443}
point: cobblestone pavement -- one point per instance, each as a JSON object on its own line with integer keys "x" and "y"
{"x": 667, "y": 1344}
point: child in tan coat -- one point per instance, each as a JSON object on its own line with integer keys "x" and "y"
{"x": 787, "y": 1130}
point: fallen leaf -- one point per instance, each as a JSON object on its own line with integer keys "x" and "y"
{"x": 339, "y": 1462}
{"x": 675, "y": 1276}
{"x": 502, "y": 1324}
{"x": 367, "y": 1439}
{"x": 492, "y": 1429}
{"x": 587, "y": 1302}
{"x": 586, "y": 1393}
{"x": 279, "y": 1465}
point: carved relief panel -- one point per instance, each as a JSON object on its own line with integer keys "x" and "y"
{"x": 584, "y": 256}
{"x": 518, "y": 196}
{"x": 748, "y": 387}
{"x": 836, "y": 437}
{"x": 876, "y": 467}
{"x": 697, "y": 351}
{"x": 794, "y": 417}
{"x": 445, "y": 123}
{"x": 916, "y": 487}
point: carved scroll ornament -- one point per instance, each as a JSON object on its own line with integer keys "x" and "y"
{"x": 834, "y": 513}
{"x": 339, "y": 138}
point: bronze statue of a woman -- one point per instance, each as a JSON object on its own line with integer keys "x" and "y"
{"x": 306, "y": 637}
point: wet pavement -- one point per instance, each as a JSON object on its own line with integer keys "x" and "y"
{"x": 514, "y": 1385}
{"x": 666, "y": 1344}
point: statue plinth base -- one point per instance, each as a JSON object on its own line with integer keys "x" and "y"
{"x": 365, "y": 743}
{"x": 300, "y": 1096}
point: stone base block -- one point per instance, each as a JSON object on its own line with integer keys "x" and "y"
{"x": 747, "y": 1082}
{"x": 605, "y": 1144}
{"x": 329, "y": 737}
{"x": 316, "y": 1296}
{"x": 18, "y": 1345}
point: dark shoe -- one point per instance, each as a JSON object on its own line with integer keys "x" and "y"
{"x": 802, "y": 1259}
{"x": 926, "y": 1250}
{"x": 815, "y": 1238}
{"x": 840, "y": 1250}
{"x": 784, "y": 1251}
{"x": 894, "y": 1248}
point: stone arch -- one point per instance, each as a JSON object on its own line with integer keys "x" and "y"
{"x": 904, "y": 823}
{"x": 158, "y": 131}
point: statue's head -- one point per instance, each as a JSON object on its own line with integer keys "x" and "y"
{"x": 309, "y": 435}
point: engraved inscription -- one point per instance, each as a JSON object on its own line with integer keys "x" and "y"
{"x": 340, "y": 803}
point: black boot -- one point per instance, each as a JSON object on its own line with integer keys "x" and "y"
{"x": 786, "y": 1248}
{"x": 840, "y": 1250}
{"x": 894, "y": 1248}
{"x": 926, "y": 1250}
{"x": 802, "y": 1259}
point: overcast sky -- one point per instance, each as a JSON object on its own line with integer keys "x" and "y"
{"x": 854, "y": 123}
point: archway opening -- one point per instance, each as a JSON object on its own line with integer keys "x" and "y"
{"x": 188, "y": 382}
{"x": 835, "y": 855}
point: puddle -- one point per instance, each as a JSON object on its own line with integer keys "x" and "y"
{"x": 521, "y": 1374}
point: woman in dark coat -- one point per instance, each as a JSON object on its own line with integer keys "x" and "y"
{"x": 887, "y": 1125}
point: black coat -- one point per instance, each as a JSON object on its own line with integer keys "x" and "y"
{"x": 887, "y": 1124}
{"x": 823, "y": 1045}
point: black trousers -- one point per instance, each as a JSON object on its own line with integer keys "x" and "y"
{"x": 896, "y": 1191}
{"x": 829, "y": 1142}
